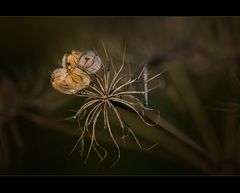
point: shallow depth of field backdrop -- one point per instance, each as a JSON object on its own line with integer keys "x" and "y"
{"x": 198, "y": 97}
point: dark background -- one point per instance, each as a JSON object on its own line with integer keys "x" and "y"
{"x": 207, "y": 48}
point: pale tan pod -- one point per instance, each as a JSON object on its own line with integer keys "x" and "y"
{"x": 69, "y": 81}
{"x": 89, "y": 62}
{"x": 70, "y": 59}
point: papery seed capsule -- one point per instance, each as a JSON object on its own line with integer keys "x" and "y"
{"x": 69, "y": 81}
{"x": 89, "y": 62}
{"x": 70, "y": 59}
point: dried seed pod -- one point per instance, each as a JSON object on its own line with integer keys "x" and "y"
{"x": 89, "y": 62}
{"x": 69, "y": 81}
{"x": 70, "y": 59}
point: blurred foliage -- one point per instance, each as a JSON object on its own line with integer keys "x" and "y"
{"x": 199, "y": 94}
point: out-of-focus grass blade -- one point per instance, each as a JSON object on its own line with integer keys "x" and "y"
{"x": 171, "y": 139}
{"x": 202, "y": 126}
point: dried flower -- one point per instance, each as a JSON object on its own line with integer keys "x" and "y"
{"x": 109, "y": 89}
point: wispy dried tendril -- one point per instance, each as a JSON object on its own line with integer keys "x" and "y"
{"x": 110, "y": 89}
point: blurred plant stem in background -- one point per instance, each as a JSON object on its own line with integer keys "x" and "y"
{"x": 21, "y": 93}
{"x": 170, "y": 138}
{"x": 193, "y": 105}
